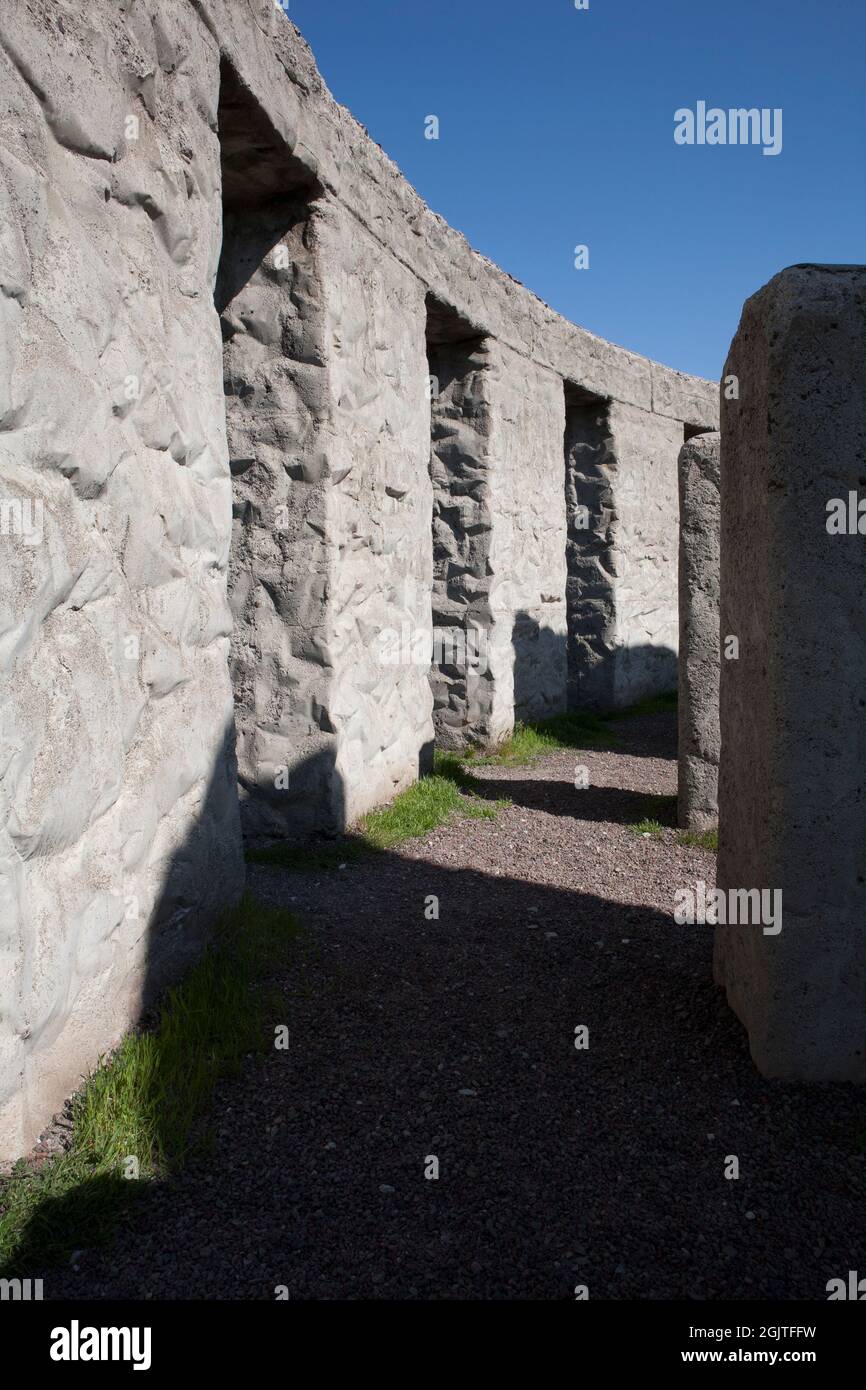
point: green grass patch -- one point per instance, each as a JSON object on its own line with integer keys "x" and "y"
{"x": 647, "y": 826}
{"x": 453, "y": 766}
{"x": 146, "y": 1101}
{"x": 531, "y": 741}
{"x": 450, "y": 790}
{"x": 704, "y": 839}
{"x": 421, "y": 808}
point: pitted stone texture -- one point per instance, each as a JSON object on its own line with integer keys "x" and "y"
{"x": 590, "y": 495}
{"x": 699, "y": 633}
{"x": 463, "y": 507}
{"x": 622, "y": 553}
{"x": 119, "y": 817}
{"x": 498, "y": 528}
{"x": 119, "y": 835}
{"x": 379, "y": 506}
{"x": 792, "y": 785}
{"x": 277, "y": 408}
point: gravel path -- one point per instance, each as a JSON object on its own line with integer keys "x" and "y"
{"x": 455, "y": 1038}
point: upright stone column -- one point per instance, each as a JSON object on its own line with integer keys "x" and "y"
{"x": 699, "y": 633}
{"x": 792, "y": 786}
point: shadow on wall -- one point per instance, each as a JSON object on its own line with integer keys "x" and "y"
{"x": 309, "y": 797}
{"x": 641, "y": 671}
{"x": 202, "y": 880}
{"x": 197, "y": 888}
{"x": 546, "y": 673}
{"x": 540, "y": 669}
{"x": 202, "y": 877}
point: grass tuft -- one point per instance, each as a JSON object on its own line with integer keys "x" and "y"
{"x": 430, "y": 802}
{"x": 660, "y": 814}
{"x": 647, "y": 826}
{"x": 434, "y": 799}
{"x": 145, "y": 1101}
{"x": 531, "y": 741}
{"x": 704, "y": 839}
{"x": 450, "y": 790}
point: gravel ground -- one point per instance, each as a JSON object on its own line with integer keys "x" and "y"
{"x": 454, "y": 1037}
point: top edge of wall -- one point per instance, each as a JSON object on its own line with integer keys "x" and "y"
{"x": 265, "y": 48}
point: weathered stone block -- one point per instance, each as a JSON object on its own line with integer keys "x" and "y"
{"x": 119, "y": 832}
{"x": 148, "y": 150}
{"x": 699, "y": 652}
{"x": 792, "y": 783}
{"x": 528, "y": 664}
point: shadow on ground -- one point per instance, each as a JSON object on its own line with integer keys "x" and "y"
{"x": 416, "y": 1037}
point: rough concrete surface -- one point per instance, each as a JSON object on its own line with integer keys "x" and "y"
{"x": 699, "y": 650}
{"x": 792, "y": 800}
{"x": 168, "y": 172}
{"x": 119, "y": 835}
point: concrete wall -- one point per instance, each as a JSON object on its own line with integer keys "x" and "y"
{"x": 380, "y": 505}
{"x": 646, "y": 447}
{"x": 271, "y": 305}
{"x": 119, "y": 833}
{"x": 792, "y": 786}
{"x": 528, "y": 651}
{"x": 621, "y": 489}
{"x": 128, "y": 131}
{"x": 461, "y": 460}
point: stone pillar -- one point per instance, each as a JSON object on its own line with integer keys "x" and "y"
{"x": 792, "y": 784}
{"x": 699, "y": 633}
{"x": 528, "y": 634}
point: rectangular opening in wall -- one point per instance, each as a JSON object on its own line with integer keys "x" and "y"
{"x": 590, "y": 598}
{"x": 268, "y": 296}
{"x": 460, "y": 426}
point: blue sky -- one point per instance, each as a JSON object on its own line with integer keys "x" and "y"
{"x": 556, "y": 129}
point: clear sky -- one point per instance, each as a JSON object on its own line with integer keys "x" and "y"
{"x": 557, "y": 129}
